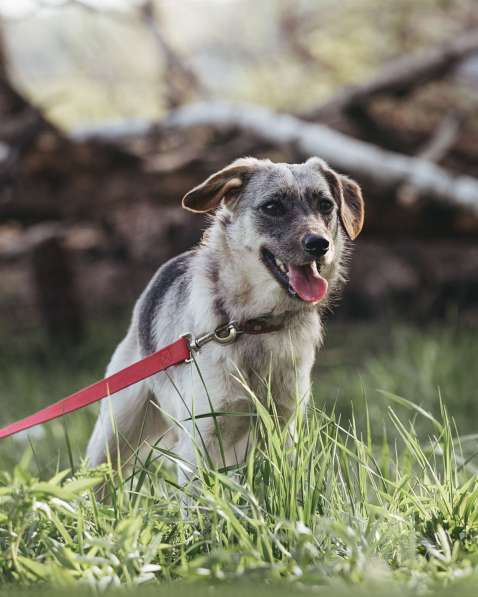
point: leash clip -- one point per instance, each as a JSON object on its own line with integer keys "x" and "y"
{"x": 224, "y": 334}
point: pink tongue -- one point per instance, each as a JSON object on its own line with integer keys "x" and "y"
{"x": 305, "y": 284}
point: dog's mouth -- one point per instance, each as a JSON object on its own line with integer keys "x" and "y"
{"x": 303, "y": 282}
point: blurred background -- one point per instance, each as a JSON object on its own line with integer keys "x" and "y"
{"x": 110, "y": 110}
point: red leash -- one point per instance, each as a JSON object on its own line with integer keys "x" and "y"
{"x": 174, "y": 354}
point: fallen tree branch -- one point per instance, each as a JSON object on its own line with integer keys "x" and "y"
{"x": 436, "y": 148}
{"x": 401, "y": 76}
{"x": 446, "y": 134}
{"x": 385, "y": 170}
{"x": 115, "y": 131}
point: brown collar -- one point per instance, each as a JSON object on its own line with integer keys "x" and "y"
{"x": 263, "y": 324}
{"x": 229, "y": 332}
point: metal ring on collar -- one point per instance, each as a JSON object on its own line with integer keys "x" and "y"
{"x": 231, "y": 333}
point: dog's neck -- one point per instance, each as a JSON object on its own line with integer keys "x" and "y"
{"x": 238, "y": 285}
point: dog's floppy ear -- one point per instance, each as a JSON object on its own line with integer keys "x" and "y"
{"x": 349, "y": 198}
{"x": 221, "y": 185}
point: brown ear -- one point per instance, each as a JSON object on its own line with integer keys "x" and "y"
{"x": 209, "y": 194}
{"x": 348, "y": 195}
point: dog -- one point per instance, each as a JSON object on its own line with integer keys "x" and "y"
{"x": 272, "y": 258}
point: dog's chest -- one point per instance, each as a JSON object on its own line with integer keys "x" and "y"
{"x": 277, "y": 362}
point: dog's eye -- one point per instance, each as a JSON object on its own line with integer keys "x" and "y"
{"x": 325, "y": 206}
{"x": 273, "y": 208}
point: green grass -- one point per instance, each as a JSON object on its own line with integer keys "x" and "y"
{"x": 419, "y": 363}
{"x": 377, "y": 494}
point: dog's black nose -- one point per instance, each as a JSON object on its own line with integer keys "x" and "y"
{"x": 316, "y": 245}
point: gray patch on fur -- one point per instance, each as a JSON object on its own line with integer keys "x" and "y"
{"x": 220, "y": 310}
{"x": 218, "y": 303}
{"x": 213, "y": 273}
{"x": 169, "y": 275}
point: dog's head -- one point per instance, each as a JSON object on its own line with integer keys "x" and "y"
{"x": 291, "y": 218}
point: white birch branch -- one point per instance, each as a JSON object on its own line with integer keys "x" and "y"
{"x": 365, "y": 162}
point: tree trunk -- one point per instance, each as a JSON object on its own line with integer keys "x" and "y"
{"x": 56, "y": 293}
